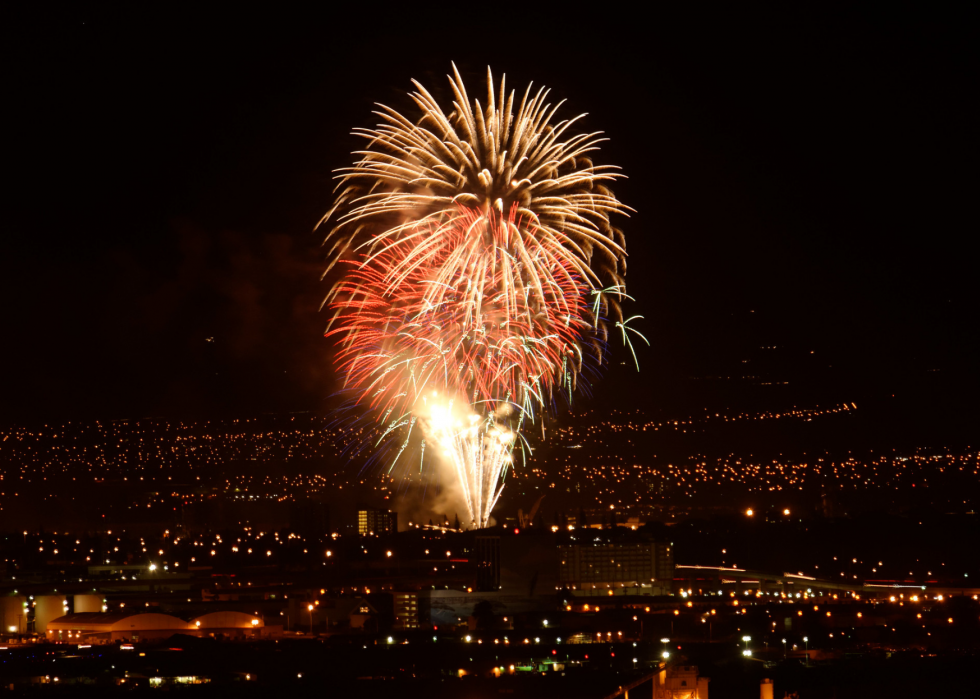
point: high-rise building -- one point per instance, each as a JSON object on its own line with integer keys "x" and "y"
{"x": 487, "y": 563}
{"x": 373, "y": 521}
{"x": 309, "y": 517}
{"x": 406, "y": 610}
{"x": 588, "y": 566}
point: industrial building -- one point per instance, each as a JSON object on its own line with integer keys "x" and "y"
{"x": 109, "y": 627}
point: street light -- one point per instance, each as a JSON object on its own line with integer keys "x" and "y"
{"x": 784, "y": 649}
{"x": 310, "y": 608}
{"x": 806, "y": 646}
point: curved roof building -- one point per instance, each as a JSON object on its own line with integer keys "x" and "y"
{"x": 103, "y": 627}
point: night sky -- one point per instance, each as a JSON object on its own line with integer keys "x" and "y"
{"x": 802, "y": 180}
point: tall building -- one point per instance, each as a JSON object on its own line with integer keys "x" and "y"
{"x": 487, "y": 563}
{"x": 596, "y": 564}
{"x": 406, "y": 610}
{"x": 309, "y": 517}
{"x": 372, "y": 521}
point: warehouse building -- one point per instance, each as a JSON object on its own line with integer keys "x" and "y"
{"x": 109, "y": 627}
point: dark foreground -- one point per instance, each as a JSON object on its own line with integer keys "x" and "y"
{"x": 311, "y": 667}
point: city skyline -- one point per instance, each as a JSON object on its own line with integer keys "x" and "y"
{"x": 199, "y": 486}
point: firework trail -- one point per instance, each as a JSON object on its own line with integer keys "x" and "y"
{"x": 481, "y": 274}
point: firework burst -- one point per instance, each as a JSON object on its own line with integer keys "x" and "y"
{"x": 480, "y": 273}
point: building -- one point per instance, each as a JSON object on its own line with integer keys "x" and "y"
{"x": 597, "y": 563}
{"x": 309, "y": 517}
{"x": 228, "y": 623}
{"x": 487, "y": 563}
{"x": 108, "y": 627}
{"x": 99, "y": 627}
{"x": 48, "y": 607}
{"x": 406, "y": 610}
{"x": 14, "y": 614}
{"x": 451, "y": 608}
{"x": 373, "y": 521}
{"x": 680, "y": 682}
{"x": 365, "y": 616}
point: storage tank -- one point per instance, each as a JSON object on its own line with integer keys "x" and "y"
{"x": 88, "y": 603}
{"x": 46, "y": 608}
{"x": 13, "y": 614}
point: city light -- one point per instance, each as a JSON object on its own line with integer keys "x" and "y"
{"x": 437, "y": 374}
